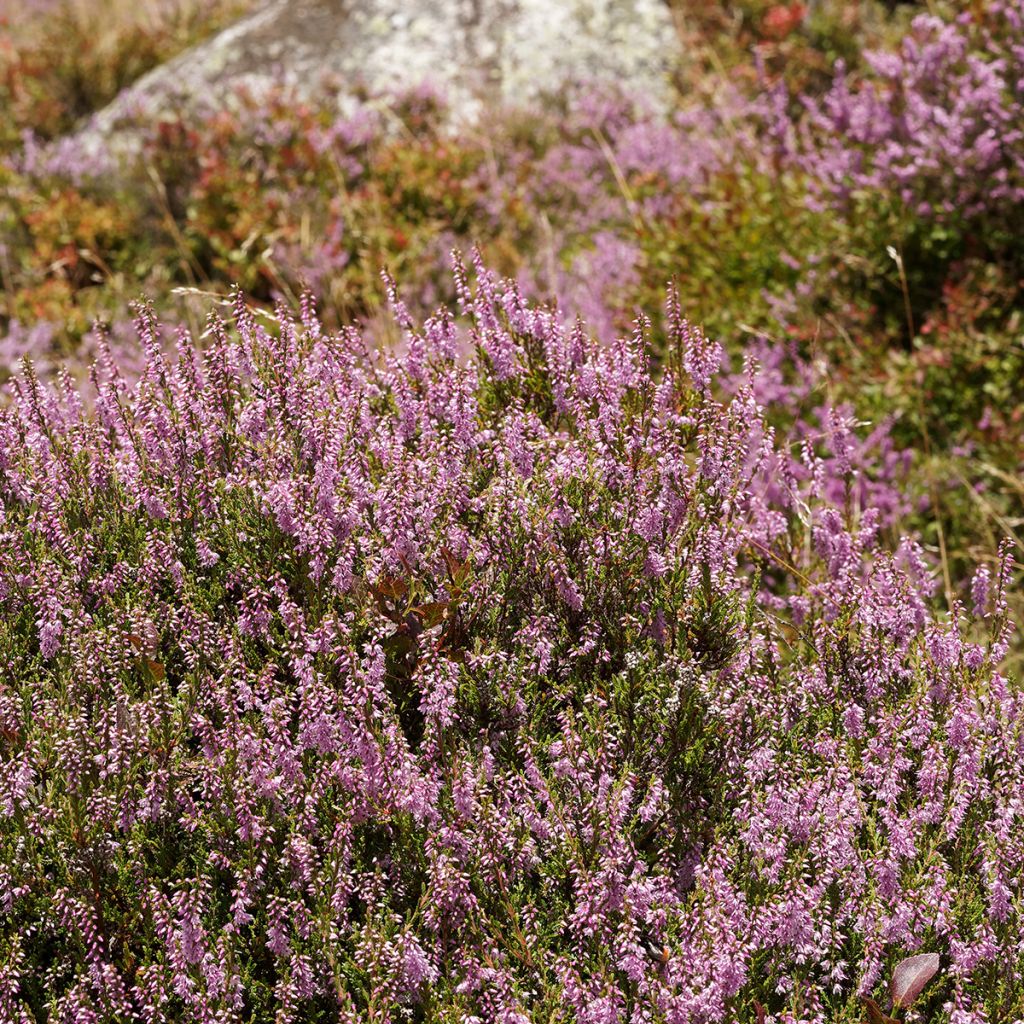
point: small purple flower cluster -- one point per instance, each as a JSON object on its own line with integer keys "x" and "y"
{"x": 67, "y": 157}
{"x": 939, "y": 122}
{"x": 500, "y": 679}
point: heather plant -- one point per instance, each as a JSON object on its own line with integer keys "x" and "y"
{"x": 491, "y": 677}
{"x": 935, "y": 125}
{"x": 914, "y": 148}
{"x": 922, "y": 153}
{"x": 344, "y": 194}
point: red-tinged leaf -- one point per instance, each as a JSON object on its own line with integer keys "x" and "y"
{"x": 156, "y": 669}
{"x": 875, "y": 1014}
{"x": 911, "y": 976}
{"x": 431, "y": 613}
{"x": 449, "y": 558}
{"x": 759, "y": 1012}
{"x": 393, "y": 588}
{"x": 388, "y": 599}
{"x": 457, "y": 571}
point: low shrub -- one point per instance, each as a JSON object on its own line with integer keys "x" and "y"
{"x": 494, "y": 678}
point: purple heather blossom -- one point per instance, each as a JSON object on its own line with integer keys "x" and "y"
{"x": 358, "y": 679}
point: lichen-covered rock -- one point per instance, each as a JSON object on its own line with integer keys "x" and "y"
{"x": 473, "y": 50}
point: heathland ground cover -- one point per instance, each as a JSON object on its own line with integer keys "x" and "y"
{"x": 615, "y": 626}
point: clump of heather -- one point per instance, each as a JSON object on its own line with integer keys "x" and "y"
{"x": 853, "y": 464}
{"x": 492, "y": 678}
{"x": 938, "y": 123}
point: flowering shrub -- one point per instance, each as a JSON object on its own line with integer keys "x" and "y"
{"x": 629, "y": 199}
{"x": 598, "y": 203}
{"x": 494, "y": 678}
{"x": 922, "y": 156}
{"x": 342, "y": 195}
{"x": 939, "y": 124}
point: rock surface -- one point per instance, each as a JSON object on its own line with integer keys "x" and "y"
{"x": 473, "y": 50}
